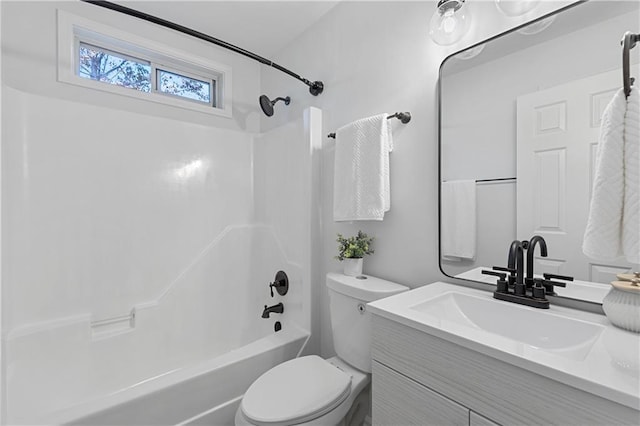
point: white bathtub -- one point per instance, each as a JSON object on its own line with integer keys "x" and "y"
{"x": 207, "y": 393}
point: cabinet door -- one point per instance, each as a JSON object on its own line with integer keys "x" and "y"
{"x": 398, "y": 400}
{"x": 476, "y": 419}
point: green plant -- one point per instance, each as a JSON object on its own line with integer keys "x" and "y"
{"x": 354, "y": 247}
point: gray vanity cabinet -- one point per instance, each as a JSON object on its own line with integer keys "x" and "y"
{"x": 421, "y": 379}
{"x": 403, "y": 401}
{"x": 399, "y": 400}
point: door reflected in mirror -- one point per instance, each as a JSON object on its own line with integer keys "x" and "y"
{"x": 519, "y": 124}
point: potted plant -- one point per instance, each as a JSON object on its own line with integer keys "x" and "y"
{"x": 351, "y": 250}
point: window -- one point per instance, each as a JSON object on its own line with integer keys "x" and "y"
{"x": 100, "y": 64}
{"x": 186, "y": 87}
{"x": 104, "y": 58}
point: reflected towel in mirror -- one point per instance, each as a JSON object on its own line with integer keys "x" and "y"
{"x": 458, "y": 220}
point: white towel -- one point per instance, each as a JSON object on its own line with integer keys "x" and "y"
{"x": 631, "y": 210}
{"x": 612, "y": 228}
{"x": 458, "y": 220}
{"x": 361, "y": 175}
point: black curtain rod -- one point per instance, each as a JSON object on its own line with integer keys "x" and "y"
{"x": 315, "y": 87}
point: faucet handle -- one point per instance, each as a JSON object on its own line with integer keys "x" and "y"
{"x": 495, "y": 274}
{"x": 503, "y": 286}
{"x": 281, "y": 283}
{"x": 548, "y": 285}
{"x": 502, "y": 268}
{"x": 557, "y": 277}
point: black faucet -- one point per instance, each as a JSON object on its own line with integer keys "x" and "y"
{"x": 515, "y": 262}
{"x": 515, "y": 267}
{"x": 533, "y": 291}
{"x": 530, "y": 253}
{"x": 276, "y": 309}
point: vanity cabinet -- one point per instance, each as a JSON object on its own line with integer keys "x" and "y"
{"x": 399, "y": 400}
{"x": 422, "y": 379}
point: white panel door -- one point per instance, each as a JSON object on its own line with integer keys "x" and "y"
{"x": 557, "y": 133}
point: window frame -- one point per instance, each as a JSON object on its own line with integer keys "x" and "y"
{"x": 73, "y": 29}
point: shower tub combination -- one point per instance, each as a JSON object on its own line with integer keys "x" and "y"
{"x": 164, "y": 329}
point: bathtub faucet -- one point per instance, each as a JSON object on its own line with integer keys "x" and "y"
{"x": 276, "y": 309}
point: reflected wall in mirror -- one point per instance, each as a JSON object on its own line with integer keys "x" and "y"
{"x": 519, "y": 125}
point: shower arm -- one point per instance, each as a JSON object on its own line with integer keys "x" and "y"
{"x": 315, "y": 87}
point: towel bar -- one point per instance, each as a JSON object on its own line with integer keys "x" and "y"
{"x": 404, "y": 118}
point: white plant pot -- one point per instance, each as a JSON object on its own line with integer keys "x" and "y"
{"x": 352, "y": 267}
{"x": 623, "y": 309}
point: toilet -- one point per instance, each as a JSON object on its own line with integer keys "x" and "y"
{"x": 311, "y": 390}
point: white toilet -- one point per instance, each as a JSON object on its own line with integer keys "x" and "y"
{"x": 311, "y": 390}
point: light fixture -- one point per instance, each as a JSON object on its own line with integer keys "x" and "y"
{"x": 516, "y": 7}
{"x": 449, "y": 22}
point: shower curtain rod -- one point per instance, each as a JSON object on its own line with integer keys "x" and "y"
{"x": 315, "y": 87}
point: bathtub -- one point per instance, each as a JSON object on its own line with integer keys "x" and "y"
{"x": 208, "y": 393}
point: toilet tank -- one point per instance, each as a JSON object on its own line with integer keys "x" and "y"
{"x": 350, "y": 320}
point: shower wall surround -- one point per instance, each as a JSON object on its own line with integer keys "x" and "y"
{"x": 170, "y": 223}
{"x": 377, "y": 57}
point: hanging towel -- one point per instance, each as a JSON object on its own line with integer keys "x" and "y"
{"x": 603, "y": 234}
{"x": 361, "y": 189}
{"x": 631, "y": 209}
{"x": 458, "y": 220}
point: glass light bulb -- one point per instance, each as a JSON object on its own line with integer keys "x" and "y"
{"x": 449, "y": 24}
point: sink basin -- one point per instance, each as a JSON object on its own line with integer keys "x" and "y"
{"x": 567, "y": 336}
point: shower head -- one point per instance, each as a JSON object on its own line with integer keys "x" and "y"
{"x": 267, "y": 105}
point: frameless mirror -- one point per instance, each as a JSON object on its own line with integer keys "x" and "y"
{"x": 519, "y": 124}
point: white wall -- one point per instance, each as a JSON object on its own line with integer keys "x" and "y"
{"x": 377, "y": 57}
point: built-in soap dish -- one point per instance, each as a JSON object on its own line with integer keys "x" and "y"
{"x": 113, "y": 326}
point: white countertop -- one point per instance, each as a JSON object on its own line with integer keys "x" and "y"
{"x": 577, "y": 289}
{"x": 608, "y": 365}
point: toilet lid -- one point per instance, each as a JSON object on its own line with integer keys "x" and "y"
{"x": 296, "y": 391}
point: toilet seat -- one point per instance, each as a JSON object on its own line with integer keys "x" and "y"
{"x": 296, "y": 391}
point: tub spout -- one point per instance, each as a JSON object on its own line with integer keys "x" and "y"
{"x": 276, "y": 309}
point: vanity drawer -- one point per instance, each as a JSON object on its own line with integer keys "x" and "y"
{"x": 500, "y": 391}
{"x": 398, "y": 400}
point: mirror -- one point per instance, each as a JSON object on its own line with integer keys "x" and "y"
{"x": 519, "y": 124}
